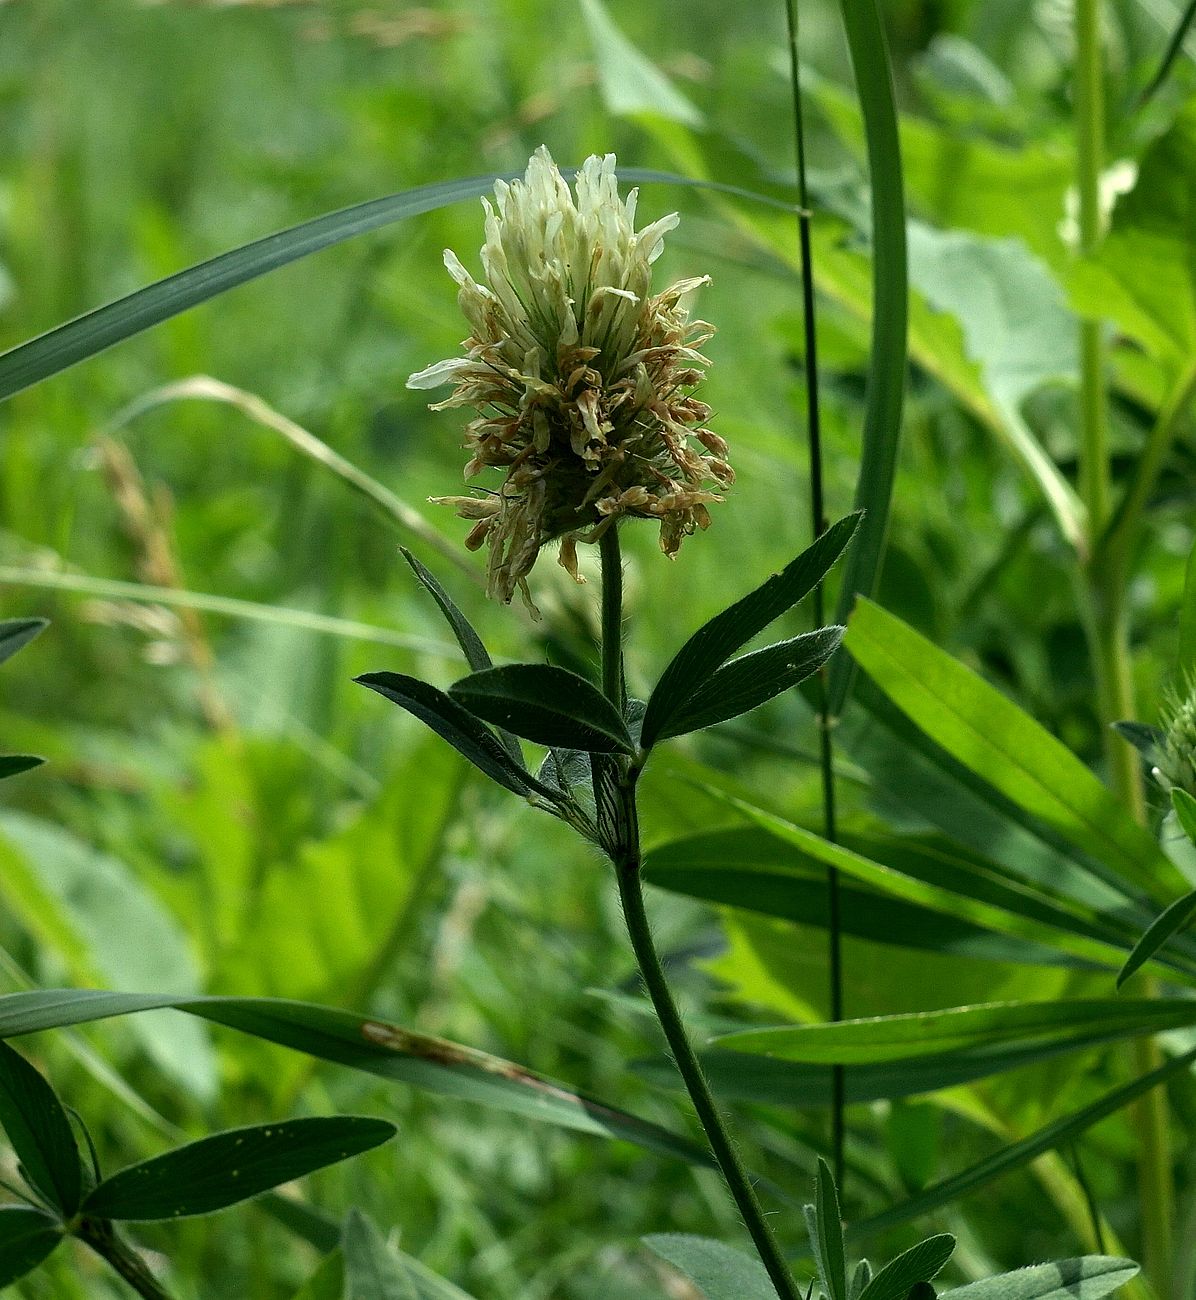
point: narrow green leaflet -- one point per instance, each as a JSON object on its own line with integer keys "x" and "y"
{"x": 753, "y": 679}
{"x": 230, "y": 1167}
{"x": 549, "y": 705}
{"x": 926, "y": 1033}
{"x": 991, "y": 736}
{"x": 18, "y": 632}
{"x": 824, "y": 1223}
{"x": 472, "y": 646}
{"x": 715, "y": 642}
{"x": 1088, "y": 1278}
{"x": 720, "y": 1272}
{"x": 1187, "y": 618}
{"x": 456, "y": 724}
{"x": 476, "y": 654}
{"x": 375, "y": 1047}
{"x": 868, "y": 46}
{"x": 920, "y": 1263}
{"x": 1020, "y": 1153}
{"x": 1172, "y": 921}
{"x": 27, "y": 1236}
{"x": 39, "y": 1132}
{"x": 15, "y": 764}
{"x": 372, "y": 1270}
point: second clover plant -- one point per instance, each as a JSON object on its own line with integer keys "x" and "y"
{"x": 583, "y": 382}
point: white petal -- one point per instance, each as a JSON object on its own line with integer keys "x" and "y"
{"x": 442, "y": 372}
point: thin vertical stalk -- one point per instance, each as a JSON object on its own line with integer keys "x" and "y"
{"x": 1107, "y": 621}
{"x": 818, "y": 522}
{"x": 627, "y": 862}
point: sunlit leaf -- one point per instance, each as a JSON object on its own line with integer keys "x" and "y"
{"x": 991, "y": 736}
{"x": 925, "y": 1033}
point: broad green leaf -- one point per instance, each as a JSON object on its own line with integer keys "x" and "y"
{"x": 884, "y": 398}
{"x": 108, "y": 927}
{"x": 927, "y": 1033}
{"x": 1185, "y": 811}
{"x": 824, "y": 1223}
{"x": 628, "y": 81}
{"x": 1170, "y": 923}
{"x": 992, "y": 737}
{"x": 18, "y": 632}
{"x": 751, "y": 680}
{"x": 1088, "y": 1278}
{"x": 39, "y": 1132}
{"x": 1013, "y": 1156}
{"x": 714, "y": 643}
{"x": 547, "y": 704}
{"x": 375, "y": 1047}
{"x": 1016, "y": 327}
{"x": 920, "y": 1263}
{"x": 456, "y": 724}
{"x": 27, "y": 1236}
{"x": 15, "y": 764}
{"x": 1187, "y": 621}
{"x": 372, "y": 1270}
{"x": 746, "y": 868}
{"x": 1141, "y": 276}
{"x": 233, "y": 1166}
{"x": 720, "y": 1272}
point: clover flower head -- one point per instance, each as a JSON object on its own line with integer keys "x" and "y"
{"x": 1176, "y": 759}
{"x": 582, "y": 380}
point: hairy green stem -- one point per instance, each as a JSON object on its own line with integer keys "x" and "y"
{"x": 625, "y": 853}
{"x": 819, "y": 524}
{"x": 1107, "y": 617}
{"x": 100, "y": 1235}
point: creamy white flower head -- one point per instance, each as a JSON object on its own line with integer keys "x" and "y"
{"x": 581, "y": 378}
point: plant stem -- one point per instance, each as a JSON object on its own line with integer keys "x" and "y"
{"x": 1107, "y": 619}
{"x": 626, "y": 857}
{"x": 612, "y": 617}
{"x": 819, "y": 524}
{"x": 101, "y": 1237}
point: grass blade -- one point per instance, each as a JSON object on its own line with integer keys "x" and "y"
{"x": 1170, "y": 54}
{"x": 890, "y": 316}
{"x": 1169, "y": 924}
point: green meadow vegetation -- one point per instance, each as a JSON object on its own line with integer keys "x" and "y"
{"x": 762, "y": 859}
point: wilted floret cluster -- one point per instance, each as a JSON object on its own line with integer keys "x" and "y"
{"x": 582, "y": 380}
